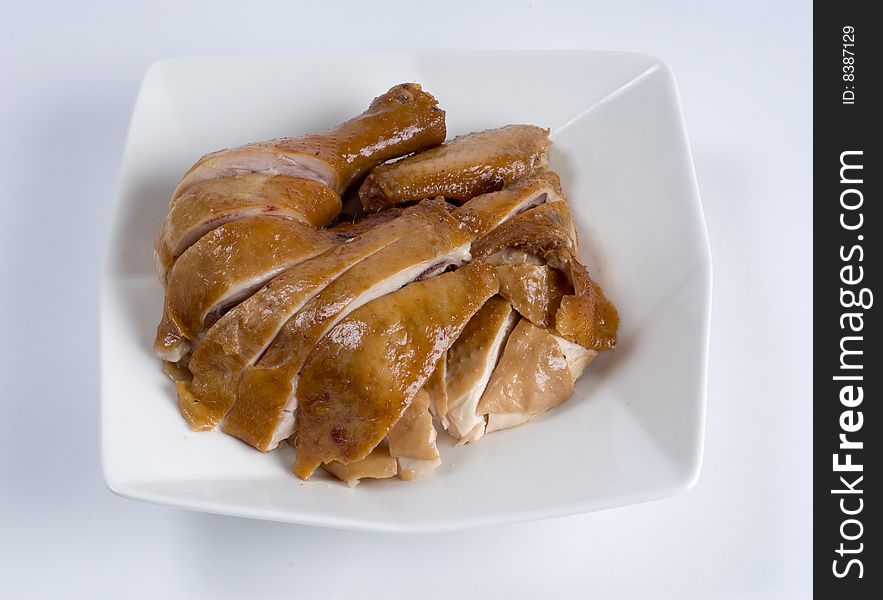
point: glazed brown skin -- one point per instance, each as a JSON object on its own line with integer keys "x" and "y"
{"x": 225, "y": 265}
{"x": 241, "y": 335}
{"x": 362, "y": 375}
{"x": 467, "y": 166}
{"x": 267, "y": 387}
{"x": 534, "y": 374}
{"x": 488, "y": 211}
{"x": 585, "y": 317}
{"x": 377, "y": 465}
{"x": 535, "y": 291}
{"x": 403, "y": 120}
{"x": 413, "y": 435}
{"x": 212, "y": 203}
{"x": 350, "y": 229}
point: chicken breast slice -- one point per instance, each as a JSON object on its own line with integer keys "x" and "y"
{"x": 363, "y": 374}
{"x": 412, "y": 440}
{"x": 465, "y": 167}
{"x": 470, "y": 363}
{"x": 215, "y": 202}
{"x": 403, "y": 120}
{"x": 263, "y": 414}
{"x": 536, "y": 372}
{"x": 223, "y": 268}
{"x": 242, "y": 335}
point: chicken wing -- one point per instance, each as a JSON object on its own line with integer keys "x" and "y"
{"x": 465, "y": 167}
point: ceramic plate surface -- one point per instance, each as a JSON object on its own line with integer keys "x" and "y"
{"x": 633, "y": 430}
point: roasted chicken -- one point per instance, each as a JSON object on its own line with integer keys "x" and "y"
{"x": 457, "y": 302}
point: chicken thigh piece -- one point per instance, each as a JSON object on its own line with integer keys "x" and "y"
{"x": 403, "y": 120}
{"x": 226, "y": 266}
{"x": 536, "y": 372}
{"x": 240, "y": 337}
{"x": 468, "y": 165}
{"x": 361, "y": 377}
{"x": 215, "y": 202}
{"x": 263, "y": 414}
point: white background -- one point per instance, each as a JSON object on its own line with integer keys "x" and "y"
{"x": 69, "y": 72}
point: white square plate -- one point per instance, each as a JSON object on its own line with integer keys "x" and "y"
{"x": 633, "y": 430}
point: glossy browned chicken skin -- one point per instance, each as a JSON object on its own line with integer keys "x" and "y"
{"x": 363, "y": 374}
{"x": 585, "y": 316}
{"x": 244, "y": 333}
{"x": 467, "y": 166}
{"x": 454, "y": 295}
{"x": 487, "y": 211}
{"x": 225, "y": 266}
{"x": 403, "y": 120}
{"x": 266, "y": 390}
{"x": 215, "y": 202}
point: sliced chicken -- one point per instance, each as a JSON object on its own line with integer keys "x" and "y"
{"x": 435, "y": 389}
{"x": 471, "y": 360}
{"x": 377, "y": 465}
{"x": 486, "y": 212}
{"x": 585, "y": 316}
{"x": 468, "y": 165}
{"x": 412, "y": 439}
{"x": 244, "y": 333}
{"x": 535, "y": 291}
{"x": 410, "y": 451}
{"x": 364, "y": 373}
{"x": 224, "y": 267}
{"x": 349, "y": 229}
{"x": 541, "y": 231}
{"x": 403, "y": 120}
{"x": 263, "y": 414}
{"x": 215, "y": 202}
{"x": 536, "y": 372}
